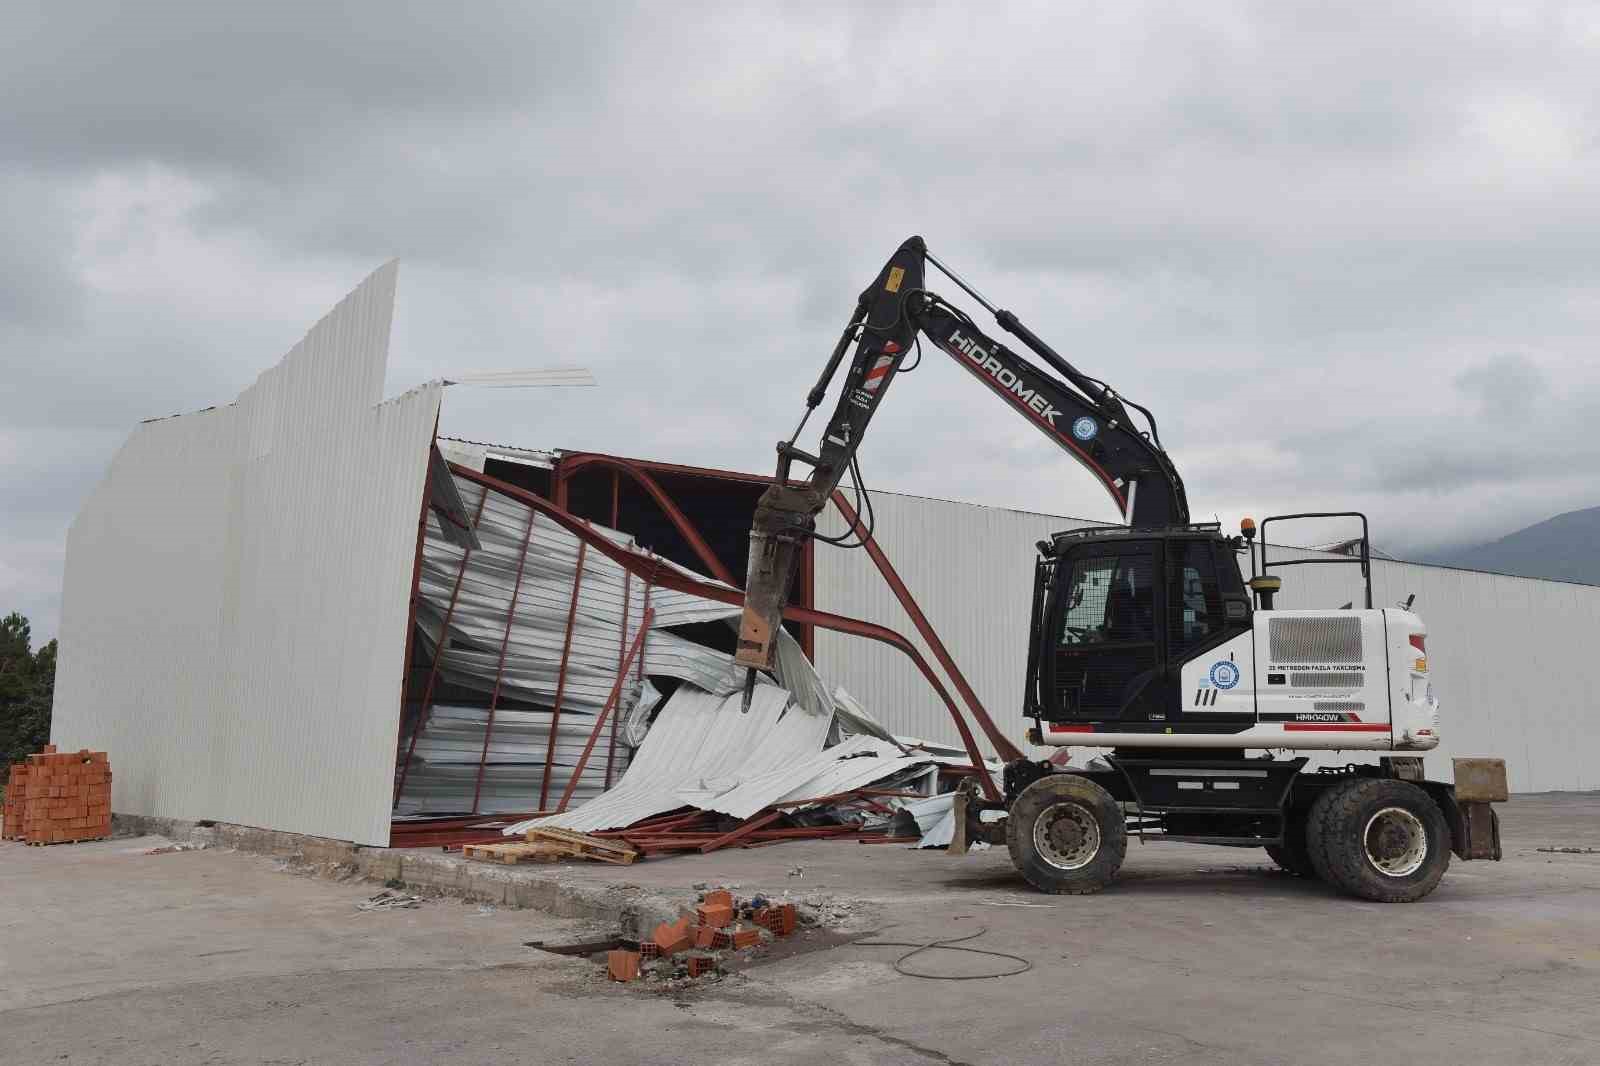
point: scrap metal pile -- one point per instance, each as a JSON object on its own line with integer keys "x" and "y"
{"x": 546, "y": 663}
{"x": 531, "y": 639}
{"x": 707, "y": 776}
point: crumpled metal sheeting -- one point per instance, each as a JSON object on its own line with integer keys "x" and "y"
{"x": 699, "y": 747}
{"x": 933, "y": 817}
{"x": 532, "y": 670}
{"x": 444, "y": 770}
{"x": 855, "y": 763}
{"x": 851, "y": 717}
{"x": 538, "y": 630}
{"x": 471, "y": 659}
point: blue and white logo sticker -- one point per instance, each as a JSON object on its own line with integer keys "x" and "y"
{"x": 1084, "y": 428}
{"x": 1224, "y": 675}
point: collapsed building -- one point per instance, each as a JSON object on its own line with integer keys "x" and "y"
{"x": 304, "y": 611}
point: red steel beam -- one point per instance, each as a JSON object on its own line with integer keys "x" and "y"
{"x": 622, "y": 669}
{"x": 561, "y": 678}
{"x": 500, "y": 667}
{"x": 640, "y": 471}
{"x": 655, "y": 466}
{"x": 438, "y": 651}
{"x": 653, "y": 570}
{"x": 1001, "y": 742}
{"x": 611, "y": 701}
{"x": 750, "y": 825}
{"x": 571, "y": 464}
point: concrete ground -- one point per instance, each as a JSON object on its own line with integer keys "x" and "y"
{"x": 1197, "y": 955}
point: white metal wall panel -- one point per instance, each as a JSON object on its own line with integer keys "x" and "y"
{"x": 235, "y": 600}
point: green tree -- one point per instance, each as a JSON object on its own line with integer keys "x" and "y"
{"x": 27, "y": 688}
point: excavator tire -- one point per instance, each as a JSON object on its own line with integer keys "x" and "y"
{"x": 1379, "y": 839}
{"x": 1067, "y": 835}
{"x": 1293, "y": 856}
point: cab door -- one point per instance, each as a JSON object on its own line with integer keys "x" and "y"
{"x": 1210, "y": 645}
{"x": 1104, "y": 630}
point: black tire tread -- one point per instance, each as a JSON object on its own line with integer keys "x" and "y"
{"x": 1113, "y": 835}
{"x": 1337, "y": 853}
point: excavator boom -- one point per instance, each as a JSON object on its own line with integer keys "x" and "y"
{"x": 1080, "y": 414}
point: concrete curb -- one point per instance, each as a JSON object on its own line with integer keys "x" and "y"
{"x": 633, "y": 909}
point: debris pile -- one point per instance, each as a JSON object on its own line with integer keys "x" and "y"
{"x": 539, "y": 649}
{"x": 695, "y": 945}
{"x": 559, "y": 682}
{"x": 59, "y": 798}
{"x": 708, "y": 777}
{"x": 390, "y": 900}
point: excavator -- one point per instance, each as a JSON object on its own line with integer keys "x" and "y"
{"x": 1147, "y": 640}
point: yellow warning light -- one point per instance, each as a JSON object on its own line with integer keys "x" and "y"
{"x": 1422, "y": 664}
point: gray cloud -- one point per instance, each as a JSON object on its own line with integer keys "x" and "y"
{"x": 1306, "y": 237}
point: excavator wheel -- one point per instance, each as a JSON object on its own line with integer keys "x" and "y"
{"x": 1293, "y": 856}
{"x": 1067, "y": 835}
{"x": 1379, "y": 839}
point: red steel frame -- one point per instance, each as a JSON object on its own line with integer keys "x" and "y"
{"x": 654, "y": 572}
{"x": 571, "y": 464}
{"x": 622, "y": 642}
{"x": 651, "y": 569}
{"x": 639, "y": 472}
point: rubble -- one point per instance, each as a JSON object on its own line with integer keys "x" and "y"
{"x": 691, "y": 946}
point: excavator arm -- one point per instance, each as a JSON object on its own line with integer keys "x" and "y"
{"x": 1078, "y": 413}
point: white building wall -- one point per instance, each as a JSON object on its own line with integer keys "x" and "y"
{"x": 1511, "y": 658}
{"x": 235, "y": 602}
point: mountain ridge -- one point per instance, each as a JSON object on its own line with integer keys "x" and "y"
{"x": 1563, "y": 548}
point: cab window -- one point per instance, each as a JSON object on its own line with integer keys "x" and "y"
{"x": 1194, "y": 599}
{"x": 1110, "y": 600}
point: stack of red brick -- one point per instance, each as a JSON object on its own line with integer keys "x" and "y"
{"x": 59, "y": 797}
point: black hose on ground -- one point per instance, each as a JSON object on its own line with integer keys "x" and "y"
{"x": 947, "y": 945}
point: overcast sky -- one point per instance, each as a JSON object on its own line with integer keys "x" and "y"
{"x": 1347, "y": 254}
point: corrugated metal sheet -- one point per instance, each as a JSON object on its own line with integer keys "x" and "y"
{"x": 855, "y": 763}
{"x": 235, "y": 601}
{"x": 699, "y": 747}
{"x": 444, "y": 770}
{"x": 525, "y": 559}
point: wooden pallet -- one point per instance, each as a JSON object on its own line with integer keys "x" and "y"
{"x": 48, "y": 843}
{"x": 551, "y": 845}
{"x": 598, "y": 848}
{"x": 513, "y": 853}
